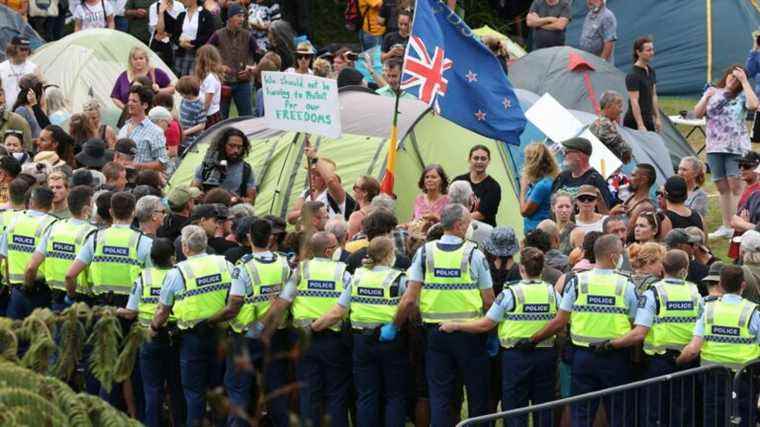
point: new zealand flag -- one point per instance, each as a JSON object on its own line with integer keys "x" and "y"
{"x": 446, "y": 67}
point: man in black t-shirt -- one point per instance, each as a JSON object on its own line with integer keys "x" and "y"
{"x": 549, "y": 19}
{"x": 394, "y": 43}
{"x": 577, "y": 171}
{"x": 486, "y": 189}
{"x": 643, "y": 109}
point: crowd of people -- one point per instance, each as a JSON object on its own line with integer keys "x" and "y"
{"x": 383, "y": 316}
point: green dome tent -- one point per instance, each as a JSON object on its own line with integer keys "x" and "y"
{"x": 87, "y": 63}
{"x": 279, "y": 165}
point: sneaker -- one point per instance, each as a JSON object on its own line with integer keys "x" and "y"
{"x": 722, "y": 232}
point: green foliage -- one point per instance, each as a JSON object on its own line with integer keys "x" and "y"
{"x": 72, "y": 337}
{"x": 126, "y": 362}
{"x": 104, "y": 340}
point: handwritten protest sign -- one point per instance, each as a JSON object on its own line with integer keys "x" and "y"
{"x": 558, "y": 124}
{"x": 302, "y": 103}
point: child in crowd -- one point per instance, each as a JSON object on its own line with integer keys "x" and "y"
{"x": 13, "y": 141}
{"x": 208, "y": 69}
{"x": 192, "y": 114}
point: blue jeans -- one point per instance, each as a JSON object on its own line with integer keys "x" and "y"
{"x": 368, "y": 41}
{"x": 241, "y": 95}
{"x": 325, "y": 374}
{"x": 450, "y": 356}
{"x": 723, "y": 165}
{"x": 528, "y": 377}
{"x": 275, "y": 375}
{"x": 380, "y": 377}
{"x": 121, "y": 23}
{"x": 22, "y": 302}
{"x": 198, "y": 363}
{"x": 159, "y": 366}
{"x": 592, "y": 372}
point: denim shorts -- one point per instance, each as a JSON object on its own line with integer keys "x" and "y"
{"x": 723, "y": 165}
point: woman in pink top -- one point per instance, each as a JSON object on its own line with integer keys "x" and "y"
{"x": 434, "y": 184}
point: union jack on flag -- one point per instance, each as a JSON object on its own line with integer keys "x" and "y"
{"x": 447, "y": 68}
{"x": 426, "y": 71}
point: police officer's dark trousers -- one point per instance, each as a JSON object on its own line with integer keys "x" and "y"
{"x": 597, "y": 371}
{"x": 159, "y": 367}
{"x": 716, "y": 390}
{"x": 447, "y": 356}
{"x": 325, "y": 372}
{"x": 198, "y": 367}
{"x": 380, "y": 377}
{"x": 23, "y": 301}
{"x": 274, "y": 366}
{"x": 528, "y": 377}
{"x": 669, "y": 403}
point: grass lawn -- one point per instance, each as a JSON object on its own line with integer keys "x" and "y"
{"x": 672, "y": 106}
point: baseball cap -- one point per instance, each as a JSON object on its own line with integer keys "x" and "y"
{"x": 126, "y": 146}
{"x": 203, "y": 212}
{"x": 180, "y": 196}
{"x": 579, "y": 144}
{"x": 713, "y": 274}
{"x": 21, "y": 41}
{"x": 751, "y": 159}
{"x": 587, "y": 190}
{"x": 679, "y": 236}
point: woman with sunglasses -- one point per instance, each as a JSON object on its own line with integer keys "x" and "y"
{"x": 365, "y": 189}
{"x": 304, "y": 59}
{"x": 586, "y": 202}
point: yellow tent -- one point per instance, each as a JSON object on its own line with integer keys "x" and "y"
{"x": 515, "y": 50}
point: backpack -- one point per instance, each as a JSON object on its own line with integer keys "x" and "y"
{"x": 352, "y": 15}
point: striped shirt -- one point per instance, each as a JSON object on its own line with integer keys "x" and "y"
{"x": 191, "y": 113}
{"x": 150, "y": 140}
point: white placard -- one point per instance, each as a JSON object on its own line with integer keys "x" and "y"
{"x": 559, "y": 124}
{"x": 301, "y": 103}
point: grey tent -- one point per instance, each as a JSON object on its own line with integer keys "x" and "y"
{"x": 648, "y": 147}
{"x": 11, "y": 25}
{"x": 577, "y": 79}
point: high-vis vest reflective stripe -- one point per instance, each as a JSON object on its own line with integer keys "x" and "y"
{"x": 152, "y": 279}
{"x": 115, "y": 264}
{"x": 7, "y": 217}
{"x": 207, "y": 281}
{"x": 23, "y": 236}
{"x": 678, "y": 310}
{"x": 318, "y": 290}
{"x": 727, "y": 340}
{"x": 599, "y": 312}
{"x": 535, "y": 306}
{"x": 449, "y": 293}
{"x": 372, "y": 301}
{"x": 66, "y": 238}
{"x": 267, "y": 279}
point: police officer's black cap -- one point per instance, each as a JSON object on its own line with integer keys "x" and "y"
{"x": 578, "y": 144}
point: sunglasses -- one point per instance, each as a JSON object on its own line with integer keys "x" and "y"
{"x": 480, "y": 158}
{"x": 586, "y": 199}
{"x": 303, "y": 56}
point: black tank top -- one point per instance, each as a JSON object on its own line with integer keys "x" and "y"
{"x": 679, "y": 221}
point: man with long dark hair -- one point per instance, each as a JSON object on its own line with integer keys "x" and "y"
{"x": 225, "y": 166}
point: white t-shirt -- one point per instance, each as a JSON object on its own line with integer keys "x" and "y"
{"x": 322, "y": 197}
{"x": 93, "y": 16}
{"x": 118, "y": 6}
{"x": 211, "y": 84}
{"x": 10, "y": 75}
{"x": 190, "y": 25}
{"x": 176, "y": 9}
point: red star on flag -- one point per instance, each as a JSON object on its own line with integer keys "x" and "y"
{"x": 507, "y": 103}
{"x": 480, "y": 115}
{"x": 471, "y": 77}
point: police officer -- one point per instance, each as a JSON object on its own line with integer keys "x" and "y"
{"x": 115, "y": 256}
{"x": 726, "y": 334}
{"x": 258, "y": 279}
{"x": 159, "y": 357}
{"x": 60, "y": 245}
{"x": 195, "y": 291}
{"x": 380, "y": 368}
{"x": 450, "y": 277}
{"x": 665, "y": 321}
{"x": 520, "y": 310}
{"x": 18, "y": 242}
{"x": 17, "y": 190}
{"x": 325, "y": 366}
{"x": 600, "y": 305}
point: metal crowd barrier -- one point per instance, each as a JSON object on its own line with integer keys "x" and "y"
{"x": 703, "y": 396}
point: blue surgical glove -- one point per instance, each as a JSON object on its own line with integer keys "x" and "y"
{"x": 388, "y": 332}
{"x": 492, "y": 345}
